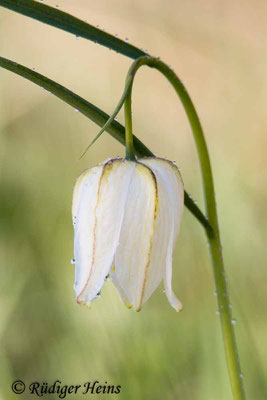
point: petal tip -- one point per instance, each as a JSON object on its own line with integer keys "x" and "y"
{"x": 88, "y": 304}
{"x": 179, "y": 307}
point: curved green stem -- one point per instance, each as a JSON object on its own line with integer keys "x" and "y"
{"x": 213, "y": 235}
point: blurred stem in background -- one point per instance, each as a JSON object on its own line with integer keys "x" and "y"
{"x": 71, "y": 24}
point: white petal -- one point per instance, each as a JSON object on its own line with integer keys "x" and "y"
{"x": 173, "y": 300}
{"x": 84, "y": 202}
{"x": 99, "y": 202}
{"x": 170, "y": 208}
{"x": 119, "y": 288}
{"x": 132, "y": 256}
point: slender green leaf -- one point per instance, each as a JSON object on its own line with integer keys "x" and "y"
{"x": 66, "y": 22}
{"x": 115, "y": 129}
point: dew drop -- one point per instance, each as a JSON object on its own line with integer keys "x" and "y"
{"x": 106, "y": 278}
{"x": 234, "y": 321}
{"x": 41, "y": 1}
{"x": 170, "y": 66}
{"x": 208, "y": 244}
{"x": 77, "y": 37}
{"x": 241, "y": 375}
{"x": 116, "y": 35}
{"x": 127, "y": 40}
{"x": 57, "y": 7}
{"x": 33, "y": 69}
{"x": 215, "y": 294}
{"x": 72, "y": 261}
{"x": 218, "y": 313}
{"x": 76, "y": 110}
{"x": 97, "y": 26}
{"x": 230, "y": 306}
{"x": 164, "y": 291}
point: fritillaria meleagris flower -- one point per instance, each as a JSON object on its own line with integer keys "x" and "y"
{"x": 126, "y": 218}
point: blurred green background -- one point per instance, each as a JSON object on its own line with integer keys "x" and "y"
{"x": 219, "y": 51}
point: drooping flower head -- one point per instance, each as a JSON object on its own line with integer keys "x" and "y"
{"x": 126, "y": 217}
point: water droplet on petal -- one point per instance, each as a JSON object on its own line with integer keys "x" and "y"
{"x": 241, "y": 375}
{"x": 215, "y": 294}
{"x": 218, "y": 313}
{"x": 57, "y": 7}
{"x": 72, "y": 261}
{"x": 116, "y": 35}
{"x": 234, "y": 321}
{"x": 230, "y": 306}
{"x": 76, "y": 110}
{"x": 97, "y": 26}
{"x": 127, "y": 40}
{"x": 77, "y": 37}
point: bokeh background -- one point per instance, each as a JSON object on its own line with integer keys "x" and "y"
{"x": 219, "y": 51}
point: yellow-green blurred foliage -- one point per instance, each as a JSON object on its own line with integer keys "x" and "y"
{"x": 218, "y": 48}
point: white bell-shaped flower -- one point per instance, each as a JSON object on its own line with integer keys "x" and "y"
{"x": 126, "y": 218}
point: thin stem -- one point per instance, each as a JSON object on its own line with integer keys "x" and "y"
{"x": 130, "y": 154}
{"x": 213, "y": 235}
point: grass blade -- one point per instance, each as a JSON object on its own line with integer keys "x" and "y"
{"x": 66, "y": 22}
